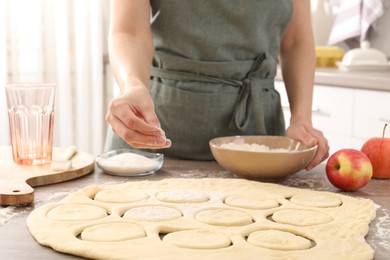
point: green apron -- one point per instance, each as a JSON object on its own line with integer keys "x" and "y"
{"x": 213, "y": 71}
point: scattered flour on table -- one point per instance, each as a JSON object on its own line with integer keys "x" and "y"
{"x": 252, "y": 147}
{"x": 9, "y": 212}
{"x": 305, "y": 183}
{"x": 52, "y": 196}
{"x": 382, "y": 233}
{"x": 6, "y": 213}
{"x": 128, "y": 163}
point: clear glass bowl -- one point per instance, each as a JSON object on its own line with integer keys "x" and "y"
{"x": 130, "y": 162}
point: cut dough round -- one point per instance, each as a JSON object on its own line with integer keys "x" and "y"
{"x": 113, "y": 232}
{"x": 76, "y": 212}
{"x": 320, "y": 201}
{"x": 182, "y": 196}
{"x": 116, "y": 196}
{"x": 198, "y": 239}
{"x": 301, "y": 218}
{"x": 250, "y": 203}
{"x": 278, "y": 240}
{"x": 152, "y": 213}
{"x": 224, "y": 217}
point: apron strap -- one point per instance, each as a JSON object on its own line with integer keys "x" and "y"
{"x": 188, "y": 76}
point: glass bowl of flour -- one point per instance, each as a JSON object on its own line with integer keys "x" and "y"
{"x": 261, "y": 157}
{"x": 130, "y": 162}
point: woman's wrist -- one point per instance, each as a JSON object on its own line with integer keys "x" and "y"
{"x": 304, "y": 120}
{"x": 130, "y": 86}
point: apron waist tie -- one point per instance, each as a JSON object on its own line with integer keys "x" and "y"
{"x": 246, "y": 104}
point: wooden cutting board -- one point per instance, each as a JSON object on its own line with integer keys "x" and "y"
{"x": 17, "y": 181}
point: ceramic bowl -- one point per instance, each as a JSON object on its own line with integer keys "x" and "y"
{"x": 364, "y": 56}
{"x": 130, "y": 162}
{"x": 285, "y": 157}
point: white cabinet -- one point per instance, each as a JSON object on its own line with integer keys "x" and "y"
{"x": 346, "y": 116}
{"x": 372, "y": 111}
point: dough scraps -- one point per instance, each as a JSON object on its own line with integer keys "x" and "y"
{"x": 206, "y": 218}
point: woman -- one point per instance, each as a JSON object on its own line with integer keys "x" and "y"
{"x": 212, "y": 74}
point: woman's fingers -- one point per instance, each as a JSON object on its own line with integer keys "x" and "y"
{"x": 321, "y": 154}
{"x": 131, "y": 118}
{"x": 137, "y": 139}
{"x": 311, "y": 136}
{"x": 322, "y": 148}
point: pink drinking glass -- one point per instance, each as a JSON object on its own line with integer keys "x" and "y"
{"x": 31, "y": 120}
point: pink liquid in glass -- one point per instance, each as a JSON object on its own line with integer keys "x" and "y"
{"x": 31, "y": 131}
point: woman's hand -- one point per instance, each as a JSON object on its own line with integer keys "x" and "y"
{"x": 132, "y": 118}
{"x": 310, "y": 137}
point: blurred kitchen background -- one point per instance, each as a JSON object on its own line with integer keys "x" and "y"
{"x": 358, "y": 15}
{"x": 65, "y": 41}
{"x": 61, "y": 41}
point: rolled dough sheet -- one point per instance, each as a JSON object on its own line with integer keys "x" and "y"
{"x": 205, "y": 219}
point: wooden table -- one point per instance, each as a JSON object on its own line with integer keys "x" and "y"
{"x": 17, "y": 243}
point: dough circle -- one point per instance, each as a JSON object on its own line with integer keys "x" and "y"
{"x": 115, "y": 196}
{"x": 182, "y": 196}
{"x": 113, "y": 232}
{"x": 224, "y": 217}
{"x": 301, "y": 218}
{"x": 279, "y": 240}
{"x": 76, "y": 212}
{"x": 152, "y": 213}
{"x": 250, "y": 203}
{"x": 320, "y": 201}
{"x": 198, "y": 239}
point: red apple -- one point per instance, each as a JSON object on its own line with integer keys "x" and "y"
{"x": 349, "y": 169}
{"x": 377, "y": 150}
